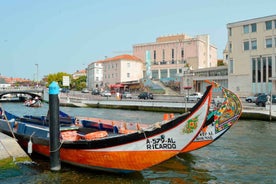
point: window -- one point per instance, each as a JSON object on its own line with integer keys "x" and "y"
{"x": 259, "y": 69}
{"x": 254, "y": 44}
{"x": 163, "y": 55}
{"x": 230, "y": 31}
{"x": 173, "y": 73}
{"x": 246, "y": 45}
{"x": 128, "y": 65}
{"x": 154, "y": 55}
{"x": 164, "y": 73}
{"x": 253, "y": 70}
{"x": 264, "y": 68}
{"x": 128, "y": 75}
{"x": 230, "y": 47}
{"x": 246, "y": 29}
{"x": 172, "y": 54}
{"x": 253, "y": 27}
{"x": 268, "y": 42}
{"x": 231, "y": 67}
{"x": 268, "y": 25}
{"x": 182, "y": 53}
{"x": 269, "y": 62}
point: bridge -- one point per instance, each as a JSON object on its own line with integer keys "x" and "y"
{"x": 33, "y": 92}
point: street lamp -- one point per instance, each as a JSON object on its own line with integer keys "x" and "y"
{"x": 36, "y": 75}
{"x": 187, "y": 76}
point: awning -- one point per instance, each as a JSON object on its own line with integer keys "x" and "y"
{"x": 117, "y": 85}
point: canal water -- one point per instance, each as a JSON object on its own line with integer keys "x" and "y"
{"x": 244, "y": 154}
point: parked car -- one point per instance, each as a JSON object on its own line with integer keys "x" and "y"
{"x": 106, "y": 93}
{"x": 85, "y": 90}
{"x": 95, "y": 92}
{"x": 145, "y": 95}
{"x": 252, "y": 99}
{"x": 262, "y": 99}
{"x": 65, "y": 90}
{"x": 127, "y": 95}
{"x": 194, "y": 97}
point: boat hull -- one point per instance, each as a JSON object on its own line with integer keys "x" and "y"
{"x": 134, "y": 151}
{"x": 115, "y": 161}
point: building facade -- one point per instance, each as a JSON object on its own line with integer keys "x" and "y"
{"x": 121, "y": 69}
{"x": 78, "y": 74}
{"x": 218, "y": 74}
{"x": 94, "y": 75}
{"x": 170, "y": 54}
{"x": 251, "y": 55}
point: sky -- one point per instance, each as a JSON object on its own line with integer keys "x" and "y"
{"x": 42, "y": 37}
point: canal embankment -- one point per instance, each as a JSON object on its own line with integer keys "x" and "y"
{"x": 249, "y": 112}
{"x": 11, "y": 152}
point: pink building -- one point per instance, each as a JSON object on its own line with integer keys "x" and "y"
{"x": 170, "y": 54}
{"x": 121, "y": 69}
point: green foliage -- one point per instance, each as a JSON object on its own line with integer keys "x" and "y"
{"x": 57, "y": 77}
{"x": 220, "y": 63}
{"x": 79, "y": 83}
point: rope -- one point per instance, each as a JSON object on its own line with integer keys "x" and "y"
{"x": 51, "y": 151}
{"x": 7, "y": 121}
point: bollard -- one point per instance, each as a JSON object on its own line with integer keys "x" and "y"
{"x": 54, "y": 126}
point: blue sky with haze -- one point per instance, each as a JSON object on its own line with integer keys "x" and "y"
{"x": 67, "y": 35}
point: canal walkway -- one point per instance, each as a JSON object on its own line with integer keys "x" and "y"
{"x": 169, "y": 104}
{"x": 10, "y": 149}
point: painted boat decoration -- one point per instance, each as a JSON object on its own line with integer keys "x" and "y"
{"x": 102, "y": 150}
{"x": 219, "y": 120}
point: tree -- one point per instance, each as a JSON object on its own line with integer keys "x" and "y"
{"x": 57, "y": 77}
{"x": 79, "y": 83}
{"x": 220, "y": 62}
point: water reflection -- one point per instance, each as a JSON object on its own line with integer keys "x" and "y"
{"x": 179, "y": 169}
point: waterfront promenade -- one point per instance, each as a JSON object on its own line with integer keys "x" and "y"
{"x": 169, "y": 104}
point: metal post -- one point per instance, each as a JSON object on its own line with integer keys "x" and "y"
{"x": 270, "y": 106}
{"x": 186, "y": 99}
{"x": 54, "y": 126}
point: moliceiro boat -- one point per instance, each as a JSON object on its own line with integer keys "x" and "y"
{"x": 114, "y": 151}
{"x": 222, "y": 115}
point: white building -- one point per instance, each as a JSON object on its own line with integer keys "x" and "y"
{"x": 251, "y": 55}
{"x": 94, "y": 75}
{"x": 121, "y": 69}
